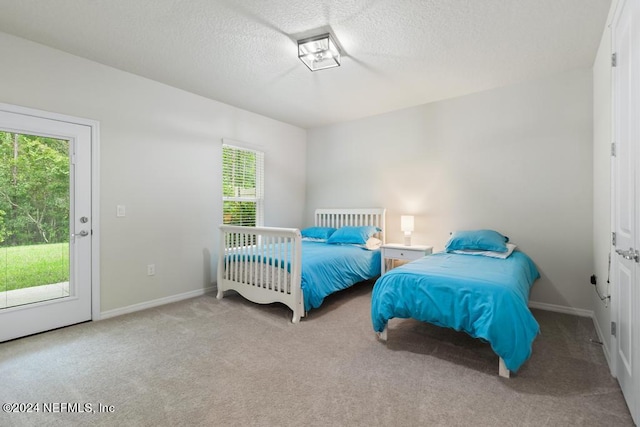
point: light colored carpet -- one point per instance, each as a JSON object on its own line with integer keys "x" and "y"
{"x": 231, "y": 362}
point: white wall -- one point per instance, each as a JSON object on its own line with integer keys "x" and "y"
{"x": 161, "y": 157}
{"x": 516, "y": 159}
{"x": 602, "y": 133}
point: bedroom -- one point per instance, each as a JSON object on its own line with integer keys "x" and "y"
{"x": 531, "y": 159}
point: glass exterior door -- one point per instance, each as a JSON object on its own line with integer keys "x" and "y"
{"x": 34, "y": 218}
{"x": 45, "y": 222}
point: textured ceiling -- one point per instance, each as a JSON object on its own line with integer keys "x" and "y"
{"x": 397, "y": 53}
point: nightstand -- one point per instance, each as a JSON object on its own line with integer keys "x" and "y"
{"x": 393, "y": 251}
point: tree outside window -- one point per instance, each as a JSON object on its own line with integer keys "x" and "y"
{"x": 34, "y": 189}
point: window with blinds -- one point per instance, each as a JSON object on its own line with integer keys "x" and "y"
{"x": 242, "y": 186}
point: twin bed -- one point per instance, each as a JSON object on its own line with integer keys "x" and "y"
{"x": 484, "y": 297}
{"x": 479, "y": 285}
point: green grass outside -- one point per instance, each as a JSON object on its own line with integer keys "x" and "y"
{"x": 33, "y": 265}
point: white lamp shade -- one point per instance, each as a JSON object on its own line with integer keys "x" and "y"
{"x": 406, "y": 223}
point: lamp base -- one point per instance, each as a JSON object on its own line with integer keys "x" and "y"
{"x": 407, "y": 239}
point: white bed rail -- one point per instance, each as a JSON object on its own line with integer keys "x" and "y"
{"x": 263, "y": 264}
{"x": 337, "y": 218}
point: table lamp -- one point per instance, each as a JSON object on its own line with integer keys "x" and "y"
{"x": 406, "y": 225}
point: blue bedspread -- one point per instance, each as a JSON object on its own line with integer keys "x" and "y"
{"x": 485, "y": 297}
{"x": 329, "y": 268}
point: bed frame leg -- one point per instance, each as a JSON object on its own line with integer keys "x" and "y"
{"x": 382, "y": 336}
{"x": 502, "y": 369}
{"x": 220, "y": 294}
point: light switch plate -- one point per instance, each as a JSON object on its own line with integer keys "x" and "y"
{"x": 120, "y": 210}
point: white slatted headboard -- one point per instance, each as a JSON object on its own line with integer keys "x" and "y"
{"x": 352, "y": 217}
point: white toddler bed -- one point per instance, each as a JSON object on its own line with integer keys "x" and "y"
{"x": 264, "y": 264}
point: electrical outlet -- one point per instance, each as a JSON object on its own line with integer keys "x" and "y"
{"x": 151, "y": 270}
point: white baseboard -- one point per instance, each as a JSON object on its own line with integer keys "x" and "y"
{"x": 561, "y": 309}
{"x": 155, "y": 303}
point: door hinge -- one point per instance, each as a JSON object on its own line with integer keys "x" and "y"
{"x": 613, "y": 238}
{"x": 614, "y": 59}
{"x": 613, "y": 328}
{"x": 613, "y": 149}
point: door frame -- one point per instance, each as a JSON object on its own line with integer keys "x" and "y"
{"x": 94, "y": 125}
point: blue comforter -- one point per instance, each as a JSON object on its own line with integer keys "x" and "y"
{"x": 485, "y": 297}
{"x": 329, "y": 268}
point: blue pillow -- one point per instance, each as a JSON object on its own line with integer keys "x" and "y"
{"x": 486, "y": 240}
{"x": 353, "y": 235}
{"x": 319, "y": 233}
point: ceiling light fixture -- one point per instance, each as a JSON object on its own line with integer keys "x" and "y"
{"x": 319, "y": 52}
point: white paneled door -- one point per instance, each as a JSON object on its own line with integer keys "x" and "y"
{"x": 626, "y": 202}
{"x": 46, "y": 221}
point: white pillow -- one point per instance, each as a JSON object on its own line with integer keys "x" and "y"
{"x": 373, "y": 244}
{"x": 501, "y": 255}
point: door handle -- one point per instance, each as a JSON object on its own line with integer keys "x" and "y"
{"x": 631, "y": 254}
{"x": 83, "y": 233}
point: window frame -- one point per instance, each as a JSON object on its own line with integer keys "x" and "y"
{"x": 258, "y": 199}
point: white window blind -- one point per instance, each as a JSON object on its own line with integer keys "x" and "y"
{"x": 242, "y": 186}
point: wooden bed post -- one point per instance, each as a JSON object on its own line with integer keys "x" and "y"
{"x": 296, "y": 279}
{"x": 502, "y": 369}
{"x": 382, "y": 336}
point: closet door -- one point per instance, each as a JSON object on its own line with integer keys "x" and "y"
{"x": 626, "y": 201}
